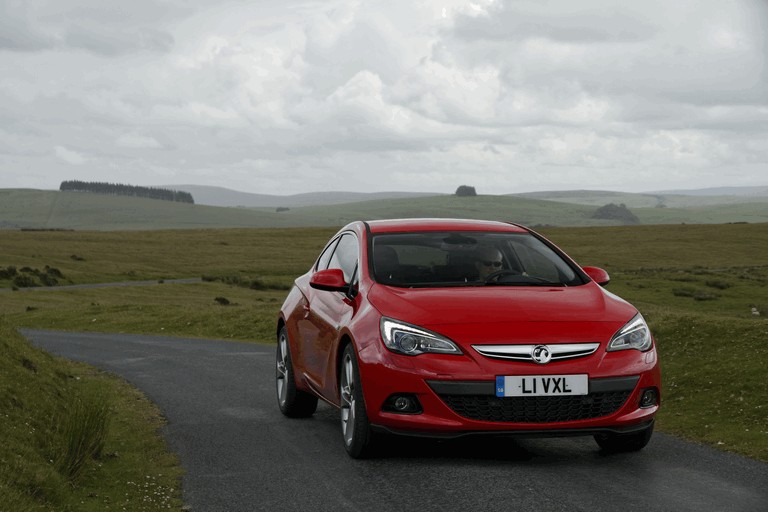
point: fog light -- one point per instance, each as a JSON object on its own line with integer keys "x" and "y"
{"x": 649, "y": 398}
{"x": 403, "y": 404}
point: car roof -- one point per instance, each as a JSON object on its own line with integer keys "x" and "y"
{"x": 405, "y": 225}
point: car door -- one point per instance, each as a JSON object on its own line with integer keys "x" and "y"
{"x": 326, "y": 311}
{"x": 307, "y": 323}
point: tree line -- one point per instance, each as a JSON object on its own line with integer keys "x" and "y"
{"x": 118, "y": 189}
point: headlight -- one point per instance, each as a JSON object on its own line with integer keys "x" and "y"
{"x": 634, "y": 335}
{"x": 411, "y": 340}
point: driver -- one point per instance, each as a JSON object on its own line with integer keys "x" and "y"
{"x": 488, "y": 261}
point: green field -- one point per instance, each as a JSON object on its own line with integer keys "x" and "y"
{"x": 699, "y": 287}
{"x": 85, "y": 211}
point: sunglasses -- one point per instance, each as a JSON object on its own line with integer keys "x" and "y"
{"x": 496, "y": 264}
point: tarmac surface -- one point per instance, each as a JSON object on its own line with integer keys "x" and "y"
{"x": 241, "y": 454}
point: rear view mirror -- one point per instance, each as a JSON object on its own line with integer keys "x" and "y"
{"x": 329, "y": 280}
{"x": 598, "y": 275}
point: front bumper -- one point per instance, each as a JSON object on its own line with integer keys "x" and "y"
{"x": 455, "y": 403}
{"x": 478, "y": 401}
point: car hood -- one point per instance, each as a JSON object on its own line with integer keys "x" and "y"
{"x": 505, "y": 313}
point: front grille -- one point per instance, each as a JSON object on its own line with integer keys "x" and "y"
{"x": 558, "y": 351}
{"x": 542, "y": 409}
{"x": 477, "y": 400}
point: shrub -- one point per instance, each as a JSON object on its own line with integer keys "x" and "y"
{"x": 684, "y": 279}
{"x": 8, "y": 272}
{"x": 47, "y": 280}
{"x": 616, "y": 212}
{"x": 235, "y": 281}
{"x": 720, "y": 285}
{"x": 683, "y": 292}
{"x": 261, "y": 284}
{"x": 466, "y": 191}
{"x": 24, "y": 281}
{"x": 54, "y": 272}
{"x": 80, "y": 431}
{"x": 258, "y": 284}
{"x": 222, "y": 300}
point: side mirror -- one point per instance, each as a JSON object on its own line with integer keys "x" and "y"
{"x": 598, "y": 275}
{"x": 329, "y": 280}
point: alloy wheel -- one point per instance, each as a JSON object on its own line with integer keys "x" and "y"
{"x": 282, "y": 369}
{"x": 293, "y": 402}
{"x": 348, "y": 400}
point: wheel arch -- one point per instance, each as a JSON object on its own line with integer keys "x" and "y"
{"x": 345, "y": 340}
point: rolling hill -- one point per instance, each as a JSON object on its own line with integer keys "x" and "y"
{"x": 675, "y": 199}
{"x": 38, "y": 209}
{"x": 220, "y": 196}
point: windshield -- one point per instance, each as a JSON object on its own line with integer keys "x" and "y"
{"x": 442, "y": 259}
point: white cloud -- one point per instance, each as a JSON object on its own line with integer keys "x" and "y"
{"x": 364, "y": 95}
{"x": 69, "y": 156}
{"x": 137, "y": 141}
{"x": 18, "y": 29}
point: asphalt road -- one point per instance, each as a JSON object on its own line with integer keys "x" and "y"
{"x": 241, "y": 454}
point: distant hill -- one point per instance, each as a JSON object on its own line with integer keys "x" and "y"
{"x": 596, "y": 197}
{"x": 671, "y": 199}
{"x": 42, "y": 209}
{"x": 220, "y": 196}
{"x": 722, "y": 191}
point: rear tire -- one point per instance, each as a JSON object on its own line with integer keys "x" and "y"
{"x": 355, "y": 428}
{"x": 293, "y": 402}
{"x": 621, "y": 443}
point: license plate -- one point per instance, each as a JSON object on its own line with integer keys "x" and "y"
{"x": 541, "y": 385}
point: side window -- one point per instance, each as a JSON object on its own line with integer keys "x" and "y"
{"x": 325, "y": 257}
{"x": 345, "y": 256}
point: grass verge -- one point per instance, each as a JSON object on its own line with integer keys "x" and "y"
{"x": 77, "y": 439}
{"x": 714, "y": 385}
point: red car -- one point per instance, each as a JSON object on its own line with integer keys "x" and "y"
{"x": 443, "y": 328}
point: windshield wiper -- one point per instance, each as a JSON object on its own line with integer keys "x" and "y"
{"x": 545, "y": 281}
{"x": 524, "y": 280}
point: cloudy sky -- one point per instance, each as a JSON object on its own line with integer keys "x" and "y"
{"x": 291, "y": 96}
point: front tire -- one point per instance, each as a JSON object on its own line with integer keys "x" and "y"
{"x": 620, "y": 443}
{"x": 293, "y": 402}
{"x": 355, "y": 428}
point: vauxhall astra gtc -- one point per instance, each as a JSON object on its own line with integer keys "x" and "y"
{"x": 444, "y": 328}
